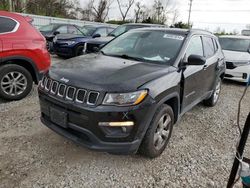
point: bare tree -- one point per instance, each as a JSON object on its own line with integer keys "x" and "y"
{"x": 101, "y": 10}
{"x": 137, "y": 11}
{"x": 127, "y": 7}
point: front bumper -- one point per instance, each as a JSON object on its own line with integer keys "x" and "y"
{"x": 239, "y": 73}
{"x": 82, "y": 124}
{"x": 63, "y": 50}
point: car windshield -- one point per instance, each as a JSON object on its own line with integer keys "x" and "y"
{"x": 235, "y": 44}
{"x": 118, "y": 31}
{"x": 47, "y": 28}
{"x": 147, "y": 46}
{"x": 88, "y": 30}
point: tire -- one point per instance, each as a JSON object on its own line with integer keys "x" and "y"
{"x": 152, "y": 146}
{"x": 79, "y": 50}
{"x": 17, "y": 78}
{"x": 212, "y": 101}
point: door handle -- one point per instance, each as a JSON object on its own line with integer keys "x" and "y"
{"x": 205, "y": 67}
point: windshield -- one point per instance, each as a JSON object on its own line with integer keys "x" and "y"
{"x": 87, "y": 30}
{"x": 147, "y": 46}
{"x": 46, "y": 28}
{"x": 118, "y": 31}
{"x": 233, "y": 44}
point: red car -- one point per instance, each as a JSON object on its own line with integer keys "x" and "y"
{"x": 23, "y": 56}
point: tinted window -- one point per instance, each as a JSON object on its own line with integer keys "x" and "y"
{"x": 63, "y": 29}
{"x": 101, "y": 31}
{"x": 216, "y": 47}
{"x": 47, "y": 28}
{"x": 195, "y": 47}
{"x": 118, "y": 31}
{"x": 110, "y": 30}
{"x": 234, "y": 44}
{"x": 7, "y": 25}
{"x": 146, "y": 46}
{"x": 208, "y": 46}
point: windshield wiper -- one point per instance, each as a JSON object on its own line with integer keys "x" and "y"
{"x": 125, "y": 56}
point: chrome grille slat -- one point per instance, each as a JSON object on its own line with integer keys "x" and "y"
{"x": 67, "y": 93}
{"x": 53, "y": 90}
{"x": 96, "y": 98}
{"x": 48, "y": 84}
{"x": 78, "y": 93}
{"x": 58, "y": 92}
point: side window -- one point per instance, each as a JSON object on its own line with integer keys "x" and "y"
{"x": 208, "y": 46}
{"x": 195, "y": 47}
{"x": 7, "y": 25}
{"x": 216, "y": 47}
{"x": 63, "y": 29}
{"x": 101, "y": 31}
{"x": 72, "y": 30}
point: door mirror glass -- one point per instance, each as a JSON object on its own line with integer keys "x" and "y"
{"x": 56, "y": 32}
{"x": 196, "y": 60}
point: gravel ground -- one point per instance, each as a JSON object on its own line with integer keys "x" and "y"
{"x": 200, "y": 153}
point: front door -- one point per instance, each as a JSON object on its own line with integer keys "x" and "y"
{"x": 193, "y": 75}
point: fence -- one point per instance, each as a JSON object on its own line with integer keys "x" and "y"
{"x": 39, "y": 21}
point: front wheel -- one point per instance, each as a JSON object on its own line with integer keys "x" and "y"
{"x": 212, "y": 101}
{"x": 158, "y": 133}
{"x": 15, "y": 82}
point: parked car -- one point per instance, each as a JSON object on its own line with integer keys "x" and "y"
{"x": 70, "y": 45}
{"x": 51, "y": 30}
{"x": 128, "y": 97}
{"x": 23, "y": 56}
{"x": 237, "y": 54}
{"x": 94, "y": 44}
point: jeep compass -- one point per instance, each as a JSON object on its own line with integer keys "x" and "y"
{"x": 127, "y": 97}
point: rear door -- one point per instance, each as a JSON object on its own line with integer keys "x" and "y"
{"x": 193, "y": 75}
{"x": 212, "y": 60}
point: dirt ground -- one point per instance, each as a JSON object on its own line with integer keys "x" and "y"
{"x": 200, "y": 153}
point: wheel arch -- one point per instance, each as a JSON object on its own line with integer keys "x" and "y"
{"x": 27, "y": 63}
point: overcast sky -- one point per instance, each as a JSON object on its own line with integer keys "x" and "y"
{"x": 206, "y": 14}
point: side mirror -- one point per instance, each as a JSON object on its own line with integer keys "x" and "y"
{"x": 56, "y": 32}
{"x": 96, "y": 49}
{"x": 96, "y": 35}
{"x": 248, "y": 50}
{"x": 196, "y": 60}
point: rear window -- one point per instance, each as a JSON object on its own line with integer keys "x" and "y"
{"x": 234, "y": 44}
{"x": 7, "y": 25}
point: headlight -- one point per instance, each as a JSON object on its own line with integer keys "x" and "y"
{"x": 70, "y": 42}
{"x": 125, "y": 99}
{"x": 55, "y": 39}
{"x": 242, "y": 63}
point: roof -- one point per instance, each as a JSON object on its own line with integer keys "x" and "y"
{"x": 144, "y": 24}
{"x": 179, "y": 31}
{"x": 235, "y": 36}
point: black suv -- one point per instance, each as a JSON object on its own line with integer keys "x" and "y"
{"x": 127, "y": 97}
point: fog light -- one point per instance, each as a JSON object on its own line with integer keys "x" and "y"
{"x": 117, "y": 124}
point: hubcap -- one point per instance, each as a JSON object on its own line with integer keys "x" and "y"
{"x": 162, "y": 131}
{"x": 13, "y": 83}
{"x": 217, "y": 92}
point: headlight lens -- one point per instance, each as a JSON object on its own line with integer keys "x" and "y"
{"x": 70, "y": 42}
{"x": 125, "y": 99}
{"x": 55, "y": 39}
{"x": 242, "y": 63}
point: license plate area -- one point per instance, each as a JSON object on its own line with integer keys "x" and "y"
{"x": 58, "y": 117}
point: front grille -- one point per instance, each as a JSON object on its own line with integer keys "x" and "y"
{"x": 230, "y": 65}
{"x": 69, "y": 93}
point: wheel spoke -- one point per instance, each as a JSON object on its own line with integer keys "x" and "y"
{"x": 165, "y": 133}
{"x": 167, "y": 121}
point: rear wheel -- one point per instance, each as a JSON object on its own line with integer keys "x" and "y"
{"x": 15, "y": 82}
{"x": 158, "y": 133}
{"x": 215, "y": 95}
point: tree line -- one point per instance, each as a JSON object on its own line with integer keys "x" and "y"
{"x": 161, "y": 12}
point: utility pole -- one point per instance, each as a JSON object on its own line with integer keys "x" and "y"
{"x": 190, "y": 10}
{"x": 10, "y": 6}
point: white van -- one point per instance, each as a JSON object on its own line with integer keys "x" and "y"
{"x": 237, "y": 56}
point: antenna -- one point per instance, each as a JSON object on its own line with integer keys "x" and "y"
{"x": 190, "y": 9}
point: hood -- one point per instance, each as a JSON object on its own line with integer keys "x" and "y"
{"x": 101, "y": 40}
{"x": 104, "y": 73}
{"x": 235, "y": 56}
{"x": 47, "y": 34}
{"x": 69, "y": 36}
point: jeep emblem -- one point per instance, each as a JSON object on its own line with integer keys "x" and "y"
{"x": 64, "y": 80}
